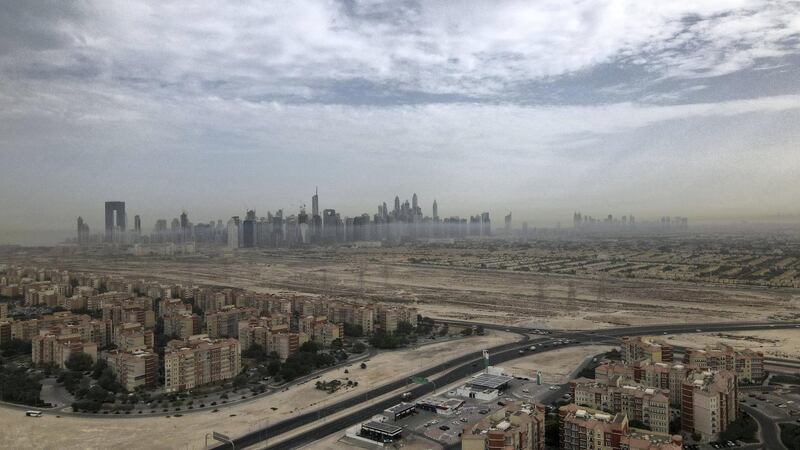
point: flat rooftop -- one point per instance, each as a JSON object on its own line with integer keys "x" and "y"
{"x": 400, "y": 407}
{"x": 486, "y": 380}
{"x": 383, "y": 428}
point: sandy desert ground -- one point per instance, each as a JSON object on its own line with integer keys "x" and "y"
{"x": 555, "y": 365}
{"x": 188, "y": 432}
{"x": 507, "y": 297}
{"x": 774, "y": 343}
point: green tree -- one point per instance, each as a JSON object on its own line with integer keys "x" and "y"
{"x": 337, "y": 343}
{"x": 79, "y": 362}
{"x": 359, "y": 347}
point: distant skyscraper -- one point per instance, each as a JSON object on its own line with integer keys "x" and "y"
{"x": 397, "y": 204}
{"x": 486, "y": 224}
{"x": 414, "y": 204}
{"x": 249, "y": 229}
{"x": 233, "y": 232}
{"x": 83, "y": 232}
{"x": 435, "y": 210}
{"x": 508, "y": 224}
{"x": 115, "y": 221}
{"x": 137, "y": 224}
{"x": 184, "y": 220}
{"x": 315, "y": 203}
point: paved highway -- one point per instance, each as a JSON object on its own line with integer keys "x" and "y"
{"x": 460, "y": 368}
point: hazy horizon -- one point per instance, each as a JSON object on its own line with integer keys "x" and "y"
{"x": 538, "y": 108}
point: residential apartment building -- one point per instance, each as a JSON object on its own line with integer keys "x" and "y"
{"x": 518, "y": 426}
{"x": 134, "y": 368}
{"x": 132, "y": 336}
{"x": 48, "y": 348}
{"x": 225, "y": 322}
{"x": 583, "y": 428}
{"x": 320, "y": 330}
{"x": 708, "y": 402}
{"x": 642, "y": 348}
{"x": 646, "y": 405}
{"x": 663, "y": 376}
{"x": 747, "y": 364}
{"x": 199, "y": 360}
{"x": 182, "y": 324}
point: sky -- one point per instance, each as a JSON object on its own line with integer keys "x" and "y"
{"x": 542, "y": 108}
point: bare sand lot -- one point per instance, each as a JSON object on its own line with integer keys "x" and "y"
{"x": 555, "y": 365}
{"x": 188, "y": 432}
{"x": 496, "y": 296}
{"x": 773, "y": 343}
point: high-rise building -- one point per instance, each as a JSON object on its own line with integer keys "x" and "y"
{"x": 83, "y": 232}
{"x": 249, "y": 230}
{"x": 233, "y": 232}
{"x": 508, "y": 224}
{"x": 435, "y": 210}
{"x": 115, "y": 221}
{"x": 137, "y": 224}
{"x": 486, "y": 224}
{"x": 315, "y": 203}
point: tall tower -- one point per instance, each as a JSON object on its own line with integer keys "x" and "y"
{"x": 414, "y": 204}
{"x": 396, "y": 204}
{"x": 435, "y": 210}
{"x": 315, "y": 203}
{"x": 137, "y": 224}
{"x": 115, "y": 220}
{"x": 83, "y": 232}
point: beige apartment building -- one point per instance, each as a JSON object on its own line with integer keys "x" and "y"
{"x": 663, "y": 376}
{"x": 708, "y": 402}
{"x": 320, "y": 330}
{"x": 134, "y": 368}
{"x": 270, "y": 334}
{"x": 646, "y": 405}
{"x": 225, "y": 322}
{"x": 199, "y": 360}
{"x": 182, "y": 324}
{"x": 48, "y": 348}
{"x": 747, "y": 364}
{"x": 583, "y": 428}
{"x": 132, "y": 336}
{"x": 518, "y": 426}
{"x": 642, "y": 348}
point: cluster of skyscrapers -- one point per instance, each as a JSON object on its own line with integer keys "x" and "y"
{"x": 405, "y": 221}
{"x": 587, "y": 222}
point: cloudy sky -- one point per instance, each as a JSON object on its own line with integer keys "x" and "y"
{"x": 681, "y": 107}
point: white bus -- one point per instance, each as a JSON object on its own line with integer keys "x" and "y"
{"x": 33, "y": 413}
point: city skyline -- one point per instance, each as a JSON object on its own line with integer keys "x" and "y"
{"x": 509, "y": 113}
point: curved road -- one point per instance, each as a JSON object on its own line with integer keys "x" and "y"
{"x": 461, "y": 367}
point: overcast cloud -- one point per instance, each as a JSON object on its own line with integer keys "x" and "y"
{"x": 538, "y": 107}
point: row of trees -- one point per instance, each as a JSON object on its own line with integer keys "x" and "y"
{"x": 307, "y": 359}
{"x": 91, "y": 396}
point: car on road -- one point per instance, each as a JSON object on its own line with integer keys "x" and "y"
{"x": 444, "y": 428}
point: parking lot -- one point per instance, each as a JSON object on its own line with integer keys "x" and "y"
{"x": 447, "y": 429}
{"x": 779, "y": 404}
